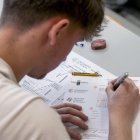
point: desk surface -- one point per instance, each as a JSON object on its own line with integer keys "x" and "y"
{"x": 122, "y": 53}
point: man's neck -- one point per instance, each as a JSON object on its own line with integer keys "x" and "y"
{"x": 12, "y": 53}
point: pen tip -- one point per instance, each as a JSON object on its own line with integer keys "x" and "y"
{"x": 126, "y": 73}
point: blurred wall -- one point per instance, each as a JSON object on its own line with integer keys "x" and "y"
{"x": 135, "y": 3}
{"x": 1, "y": 4}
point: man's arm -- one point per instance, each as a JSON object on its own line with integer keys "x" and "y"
{"x": 122, "y": 106}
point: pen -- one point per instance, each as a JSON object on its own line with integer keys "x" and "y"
{"x": 120, "y": 80}
{"x": 85, "y": 74}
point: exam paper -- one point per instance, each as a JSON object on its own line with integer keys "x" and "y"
{"x": 136, "y": 126}
{"x": 51, "y": 87}
{"x": 89, "y": 92}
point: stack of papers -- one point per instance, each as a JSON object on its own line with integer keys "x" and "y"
{"x": 60, "y": 86}
{"x": 49, "y": 87}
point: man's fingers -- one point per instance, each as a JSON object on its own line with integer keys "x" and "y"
{"x": 113, "y": 81}
{"x": 127, "y": 85}
{"x": 67, "y": 105}
{"x": 74, "y": 120}
{"x": 72, "y": 111}
{"x": 109, "y": 89}
{"x": 74, "y": 134}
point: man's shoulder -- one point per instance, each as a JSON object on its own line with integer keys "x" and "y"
{"x": 23, "y": 109}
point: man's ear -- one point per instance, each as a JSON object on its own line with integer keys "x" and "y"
{"x": 57, "y": 29}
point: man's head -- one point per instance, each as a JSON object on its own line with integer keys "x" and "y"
{"x": 87, "y": 14}
{"x": 59, "y": 22}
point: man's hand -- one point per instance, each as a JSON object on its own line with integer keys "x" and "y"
{"x": 123, "y": 105}
{"x": 71, "y": 113}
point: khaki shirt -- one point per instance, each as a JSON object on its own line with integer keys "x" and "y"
{"x": 23, "y": 115}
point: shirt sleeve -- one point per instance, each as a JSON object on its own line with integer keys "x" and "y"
{"x": 33, "y": 120}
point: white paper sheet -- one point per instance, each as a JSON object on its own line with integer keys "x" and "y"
{"x": 89, "y": 92}
{"x": 53, "y": 89}
{"x": 50, "y": 87}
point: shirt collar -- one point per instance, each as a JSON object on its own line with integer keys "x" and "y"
{"x": 6, "y": 70}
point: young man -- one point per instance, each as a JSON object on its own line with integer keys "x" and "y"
{"x": 35, "y": 36}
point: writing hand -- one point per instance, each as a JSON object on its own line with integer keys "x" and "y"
{"x": 123, "y": 105}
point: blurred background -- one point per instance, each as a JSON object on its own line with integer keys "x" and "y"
{"x": 128, "y": 9}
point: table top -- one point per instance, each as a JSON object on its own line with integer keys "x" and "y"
{"x": 122, "y": 53}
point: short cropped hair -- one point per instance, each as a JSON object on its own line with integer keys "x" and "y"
{"x": 88, "y": 14}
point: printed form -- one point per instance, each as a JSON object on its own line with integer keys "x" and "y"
{"x": 60, "y": 86}
{"x": 89, "y": 92}
{"x": 51, "y": 87}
